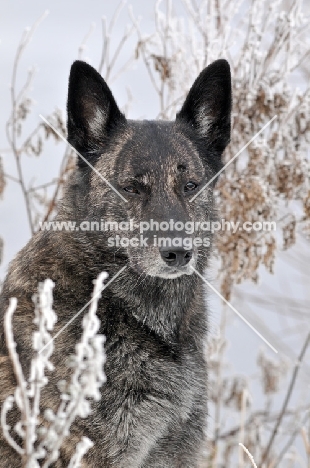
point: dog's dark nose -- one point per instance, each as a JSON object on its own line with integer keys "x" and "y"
{"x": 176, "y": 257}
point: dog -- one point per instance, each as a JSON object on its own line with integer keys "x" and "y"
{"x": 153, "y": 407}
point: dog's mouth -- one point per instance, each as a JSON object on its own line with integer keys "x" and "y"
{"x": 174, "y": 272}
{"x": 160, "y": 270}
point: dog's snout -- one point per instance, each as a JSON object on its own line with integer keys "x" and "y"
{"x": 176, "y": 257}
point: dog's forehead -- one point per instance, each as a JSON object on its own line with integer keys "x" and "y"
{"x": 154, "y": 144}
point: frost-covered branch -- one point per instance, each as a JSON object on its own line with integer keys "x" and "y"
{"x": 40, "y": 445}
{"x": 249, "y": 455}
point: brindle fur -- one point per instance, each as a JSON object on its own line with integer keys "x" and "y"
{"x": 152, "y": 413}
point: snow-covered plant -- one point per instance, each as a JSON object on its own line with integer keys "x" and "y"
{"x": 40, "y": 445}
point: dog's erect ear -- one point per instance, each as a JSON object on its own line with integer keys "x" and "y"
{"x": 92, "y": 110}
{"x": 208, "y": 105}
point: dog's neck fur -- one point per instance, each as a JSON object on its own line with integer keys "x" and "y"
{"x": 164, "y": 313}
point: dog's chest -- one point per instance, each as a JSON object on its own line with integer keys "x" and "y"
{"x": 141, "y": 368}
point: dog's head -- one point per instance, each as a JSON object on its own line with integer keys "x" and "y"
{"x": 139, "y": 179}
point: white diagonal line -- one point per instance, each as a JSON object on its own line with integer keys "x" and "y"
{"x": 232, "y": 159}
{"x": 83, "y": 308}
{"x": 235, "y": 310}
{"x": 82, "y": 157}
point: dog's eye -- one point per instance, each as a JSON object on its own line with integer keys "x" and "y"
{"x": 131, "y": 189}
{"x": 190, "y": 186}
